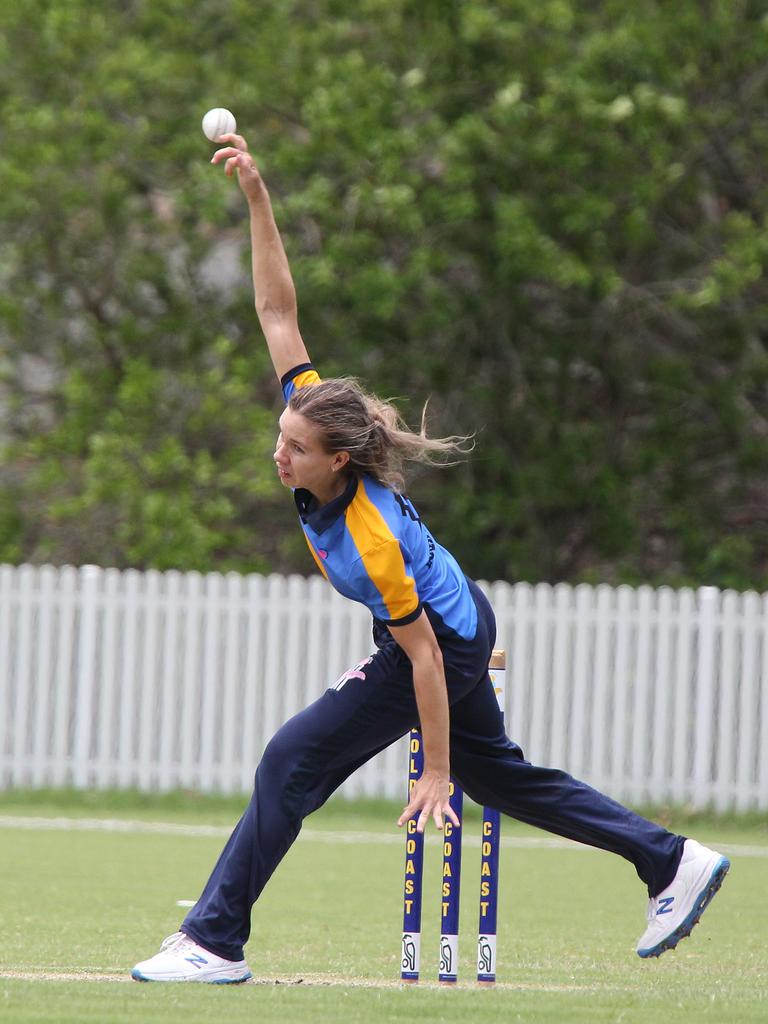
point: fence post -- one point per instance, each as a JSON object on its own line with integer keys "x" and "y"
{"x": 731, "y": 623}
{"x": 171, "y": 701}
{"x": 26, "y": 639}
{"x": 748, "y": 721}
{"x": 42, "y": 691}
{"x": 7, "y": 576}
{"x": 704, "y": 708}
{"x": 86, "y": 649}
{"x": 663, "y": 691}
{"x": 762, "y": 769}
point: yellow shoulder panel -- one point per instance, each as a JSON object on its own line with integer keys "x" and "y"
{"x": 381, "y": 555}
{"x": 301, "y": 380}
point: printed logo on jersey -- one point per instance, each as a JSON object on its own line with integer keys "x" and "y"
{"x": 431, "y": 546}
{"x": 407, "y": 508}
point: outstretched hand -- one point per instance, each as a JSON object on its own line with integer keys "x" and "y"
{"x": 237, "y": 158}
{"x": 430, "y": 796}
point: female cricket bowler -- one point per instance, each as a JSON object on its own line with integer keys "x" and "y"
{"x": 342, "y": 452}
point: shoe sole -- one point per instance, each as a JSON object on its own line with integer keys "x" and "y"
{"x": 138, "y": 976}
{"x": 685, "y": 927}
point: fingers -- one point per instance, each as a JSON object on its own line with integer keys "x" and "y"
{"x": 235, "y": 154}
{"x": 429, "y": 798}
{"x": 230, "y": 153}
{"x": 238, "y": 141}
{"x": 233, "y": 163}
{"x": 410, "y": 809}
{"x": 449, "y": 813}
{"x": 426, "y": 809}
{"x": 237, "y": 160}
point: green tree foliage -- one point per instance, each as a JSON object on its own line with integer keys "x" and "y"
{"x": 550, "y": 218}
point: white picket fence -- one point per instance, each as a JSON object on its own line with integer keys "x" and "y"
{"x": 177, "y": 680}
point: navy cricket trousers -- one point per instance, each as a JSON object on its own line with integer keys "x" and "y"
{"x": 370, "y": 707}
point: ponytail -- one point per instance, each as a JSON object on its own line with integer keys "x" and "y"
{"x": 372, "y": 431}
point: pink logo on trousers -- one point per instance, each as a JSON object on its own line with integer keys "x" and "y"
{"x": 352, "y": 673}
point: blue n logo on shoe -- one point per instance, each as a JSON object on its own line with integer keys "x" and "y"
{"x": 665, "y": 905}
{"x": 196, "y": 960}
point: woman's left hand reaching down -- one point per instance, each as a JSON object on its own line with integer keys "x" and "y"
{"x": 431, "y": 797}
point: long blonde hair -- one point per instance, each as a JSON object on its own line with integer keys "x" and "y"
{"x": 372, "y": 431}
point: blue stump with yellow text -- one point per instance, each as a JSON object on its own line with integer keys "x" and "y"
{"x": 451, "y": 875}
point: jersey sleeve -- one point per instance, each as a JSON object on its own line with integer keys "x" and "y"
{"x": 393, "y": 597}
{"x": 299, "y": 377}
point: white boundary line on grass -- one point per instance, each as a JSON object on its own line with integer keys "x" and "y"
{"x": 64, "y": 824}
{"x": 329, "y": 980}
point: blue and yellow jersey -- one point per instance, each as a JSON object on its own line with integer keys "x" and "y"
{"x": 371, "y": 545}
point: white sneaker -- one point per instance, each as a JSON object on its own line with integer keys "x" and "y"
{"x": 673, "y": 913}
{"x": 181, "y": 959}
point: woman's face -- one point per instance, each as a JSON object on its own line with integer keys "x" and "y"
{"x": 302, "y": 461}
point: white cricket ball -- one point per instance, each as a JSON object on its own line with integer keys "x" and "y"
{"x": 218, "y": 122}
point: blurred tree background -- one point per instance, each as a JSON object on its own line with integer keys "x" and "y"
{"x": 549, "y": 219}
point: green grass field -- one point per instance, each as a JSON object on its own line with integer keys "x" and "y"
{"x": 80, "y": 907}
